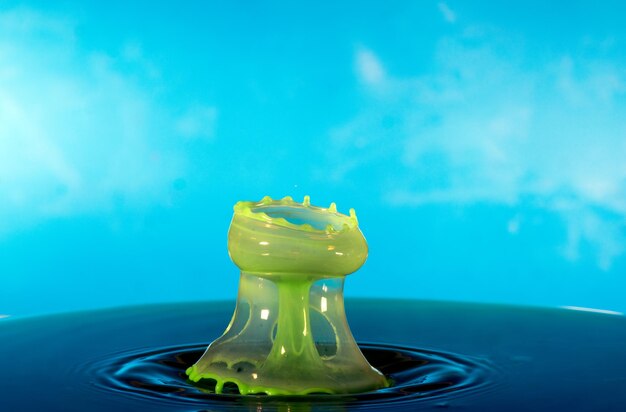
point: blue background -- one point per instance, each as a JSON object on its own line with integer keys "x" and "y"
{"x": 482, "y": 145}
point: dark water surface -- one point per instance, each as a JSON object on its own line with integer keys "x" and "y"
{"x": 441, "y": 356}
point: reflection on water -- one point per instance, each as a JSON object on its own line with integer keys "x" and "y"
{"x": 417, "y": 376}
{"x": 604, "y": 311}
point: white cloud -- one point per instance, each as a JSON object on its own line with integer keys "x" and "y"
{"x": 198, "y": 122}
{"x": 446, "y": 12}
{"x": 369, "y": 68}
{"x": 513, "y": 225}
{"x": 605, "y": 233}
{"x": 484, "y": 128}
{"x": 79, "y": 129}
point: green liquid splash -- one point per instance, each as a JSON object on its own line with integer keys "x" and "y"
{"x": 289, "y": 334}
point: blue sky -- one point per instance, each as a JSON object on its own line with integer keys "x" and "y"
{"x": 482, "y": 145}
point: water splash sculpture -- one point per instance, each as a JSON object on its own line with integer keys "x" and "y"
{"x": 289, "y": 334}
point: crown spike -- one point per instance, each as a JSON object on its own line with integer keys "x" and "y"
{"x": 333, "y": 207}
{"x": 307, "y": 200}
{"x": 353, "y": 214}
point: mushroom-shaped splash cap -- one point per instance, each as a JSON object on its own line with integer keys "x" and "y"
{"x": 289, "y": 334}
{"x": 278, "y": 237}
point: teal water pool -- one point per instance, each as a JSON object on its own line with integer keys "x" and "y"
{"x": 440, "y": 355}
